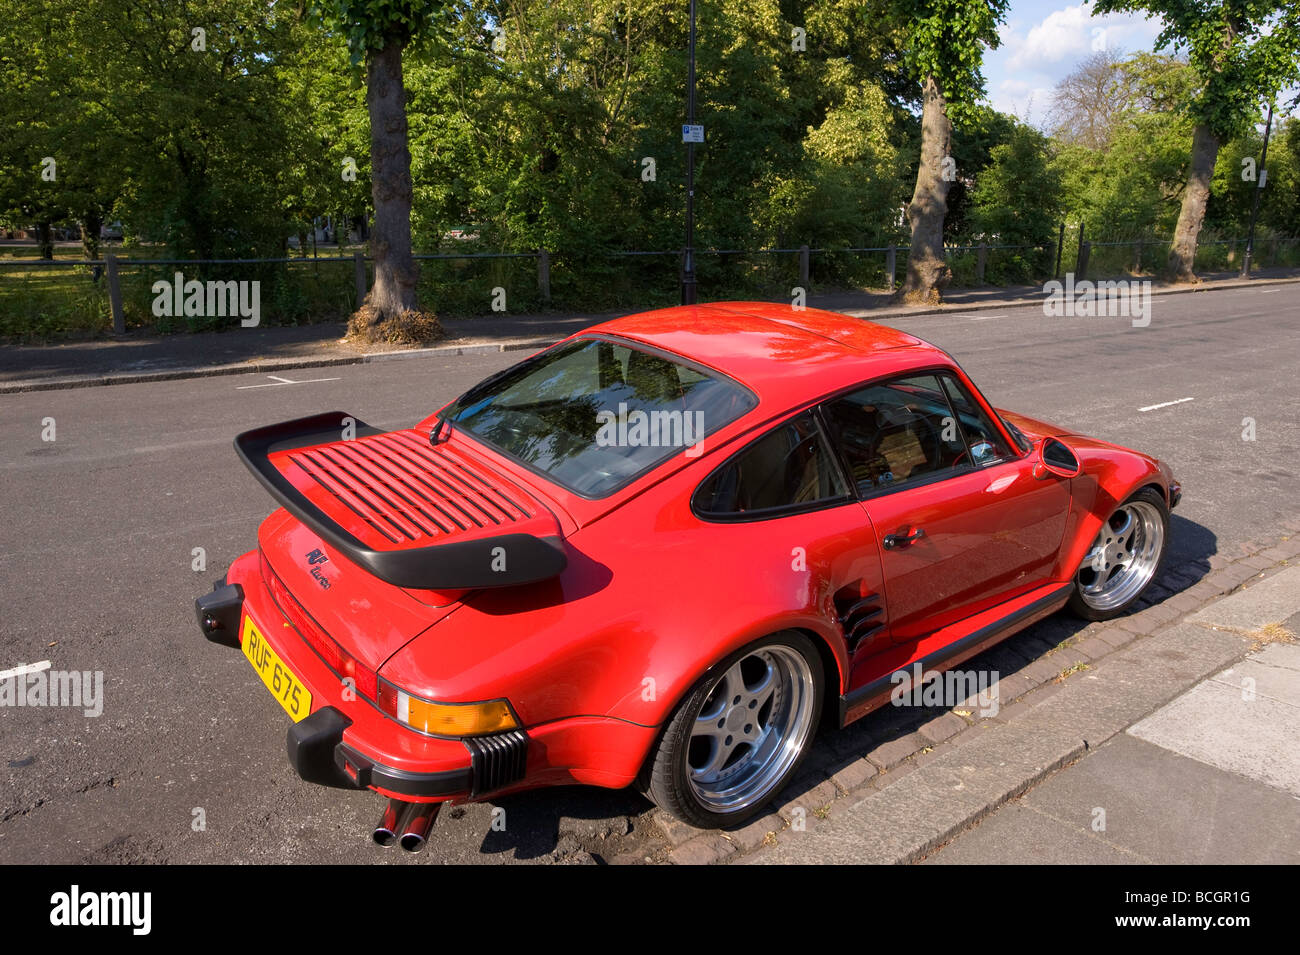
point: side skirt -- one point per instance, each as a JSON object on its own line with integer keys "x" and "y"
{"x": 858, "y": 703}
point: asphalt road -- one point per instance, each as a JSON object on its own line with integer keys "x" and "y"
{"x": 100, "y": 527}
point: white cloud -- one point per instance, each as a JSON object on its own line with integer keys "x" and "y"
{"x": 1071, "y": 34}
{"x": 1022, "y": 99}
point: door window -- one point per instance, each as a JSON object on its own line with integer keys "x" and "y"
{"x": 897, "y": 432}
{"x": 985, "y": 443}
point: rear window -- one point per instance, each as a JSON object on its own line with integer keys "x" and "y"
{"x": 593, "y": 415}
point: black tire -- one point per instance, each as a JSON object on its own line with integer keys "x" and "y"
{"x": 665, "y": 779}
{"x": 1080, "y": 607}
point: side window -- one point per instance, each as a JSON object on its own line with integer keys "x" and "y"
{"x": 982, "y": 438}
{"x": 789, "y": 467}
{"x": 898, "y": 431}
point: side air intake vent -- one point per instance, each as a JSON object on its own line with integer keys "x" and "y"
{"x": 862, "y": 618}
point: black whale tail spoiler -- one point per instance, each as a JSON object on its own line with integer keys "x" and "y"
{"x": 415, "y": 514}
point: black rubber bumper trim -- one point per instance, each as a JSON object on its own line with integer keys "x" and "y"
{"x": 218, "y": 613}
{"x": 497, "y": 760}
{"x": 318, "y": 754}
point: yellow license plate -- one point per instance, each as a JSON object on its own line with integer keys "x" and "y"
{"x": 279, "y": 679}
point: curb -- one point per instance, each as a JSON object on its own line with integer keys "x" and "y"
{"x": 287, "y": 364}
{"x": 955, "y": 307}
{"x": 516, "y": 344}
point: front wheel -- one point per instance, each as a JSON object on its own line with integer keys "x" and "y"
{"x": 739, "y": 734}
{"x": 1124, "y": 558}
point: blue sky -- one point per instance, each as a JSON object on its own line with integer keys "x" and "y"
{"x": 1044, "y": 40}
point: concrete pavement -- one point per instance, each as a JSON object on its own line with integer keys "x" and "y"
{"x": 1213, "y": 776}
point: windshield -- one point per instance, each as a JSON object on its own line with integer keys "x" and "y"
{"x": 592, "y": 414}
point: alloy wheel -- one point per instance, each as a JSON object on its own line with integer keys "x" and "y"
{"x": 751, "y": 728}
{"x": 1123, "y": 558}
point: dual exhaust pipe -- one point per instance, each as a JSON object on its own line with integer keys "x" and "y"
{"x": 406, "y": 824}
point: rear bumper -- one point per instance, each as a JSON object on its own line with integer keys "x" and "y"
{"x": 318, "y": 754}
{"x": 348, "y": 743}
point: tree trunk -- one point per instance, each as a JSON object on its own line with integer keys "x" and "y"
{"x": 91, "y": 222}
{"x": 396, "y": 272}
{"x": 927, "y": 272}
{"x": 1182, "y": 253}
{"x": 45, "y": 239}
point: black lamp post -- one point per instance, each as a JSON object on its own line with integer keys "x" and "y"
{"x": 1260, "y": 181}
{"x": 688, "y": 258}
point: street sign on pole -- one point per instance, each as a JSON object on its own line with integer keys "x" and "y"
{"x": 1259, "y": 186}
{"x": 688, "y": 254}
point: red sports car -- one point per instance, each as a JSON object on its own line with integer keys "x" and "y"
{"x": 660, "y": 553}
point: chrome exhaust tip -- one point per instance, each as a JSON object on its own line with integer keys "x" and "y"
{"x": 415, "y": 827}
{"x": 391, "y": 823}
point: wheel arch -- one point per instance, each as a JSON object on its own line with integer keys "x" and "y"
{"x": 832, "y": 680}
{"x": 832, "y": 677}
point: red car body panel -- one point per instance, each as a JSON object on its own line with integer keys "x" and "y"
{"x": 594, "y": 661}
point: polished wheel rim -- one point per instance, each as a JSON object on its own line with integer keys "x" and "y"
{"x": 751, "y": 728}
{"x": 1123, "y": 558}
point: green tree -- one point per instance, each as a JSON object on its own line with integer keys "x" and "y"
{"x": 1131, "y": 183}
{"x": 1244, "y": 52}
{"x": 1016, "y": 199}
{"x": 944, "y": 54}
{"x": 377, "y": 33}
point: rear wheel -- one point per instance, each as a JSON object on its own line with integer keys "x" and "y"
{"x": 1124, "y": 558}
{"x": 739, "y": 734}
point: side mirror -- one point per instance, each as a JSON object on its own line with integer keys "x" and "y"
{"x": 1054, "y": 456}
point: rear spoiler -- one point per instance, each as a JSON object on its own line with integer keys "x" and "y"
{"x": 456, "y": 565}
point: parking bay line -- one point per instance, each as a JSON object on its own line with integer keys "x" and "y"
{"x": 24, "y": 670}
{"x": 1165, "y": 404}
{"x": 284, "y": 381}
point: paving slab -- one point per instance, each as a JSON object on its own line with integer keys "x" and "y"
{"x": 1019, "y": 835}
{"x": 1169, "y": 808}
{"x": 1271, "y": 600}
{"x": 1134, "y": 802}
{"x": 1245, "y": 720}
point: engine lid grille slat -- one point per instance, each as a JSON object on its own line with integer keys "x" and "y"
{"x": 409, "y": 492}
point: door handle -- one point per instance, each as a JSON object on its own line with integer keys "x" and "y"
{"x": 893, "y": 541}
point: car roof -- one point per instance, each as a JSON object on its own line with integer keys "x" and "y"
{"x": 786, "y": 355}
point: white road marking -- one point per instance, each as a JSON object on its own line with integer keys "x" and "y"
{"x": 151, "y": 449}
{"x": 985, "y": 318}
{"x": 24, "y": 670}
{"x": 1268, "y": 291}
{"x": 284, "y": 381}
{"x": 1165, "y": 404}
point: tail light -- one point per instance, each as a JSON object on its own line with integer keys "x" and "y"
{"x": 445, "y": 719}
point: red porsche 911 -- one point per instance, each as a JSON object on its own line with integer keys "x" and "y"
{"x": 661, "y": 553}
